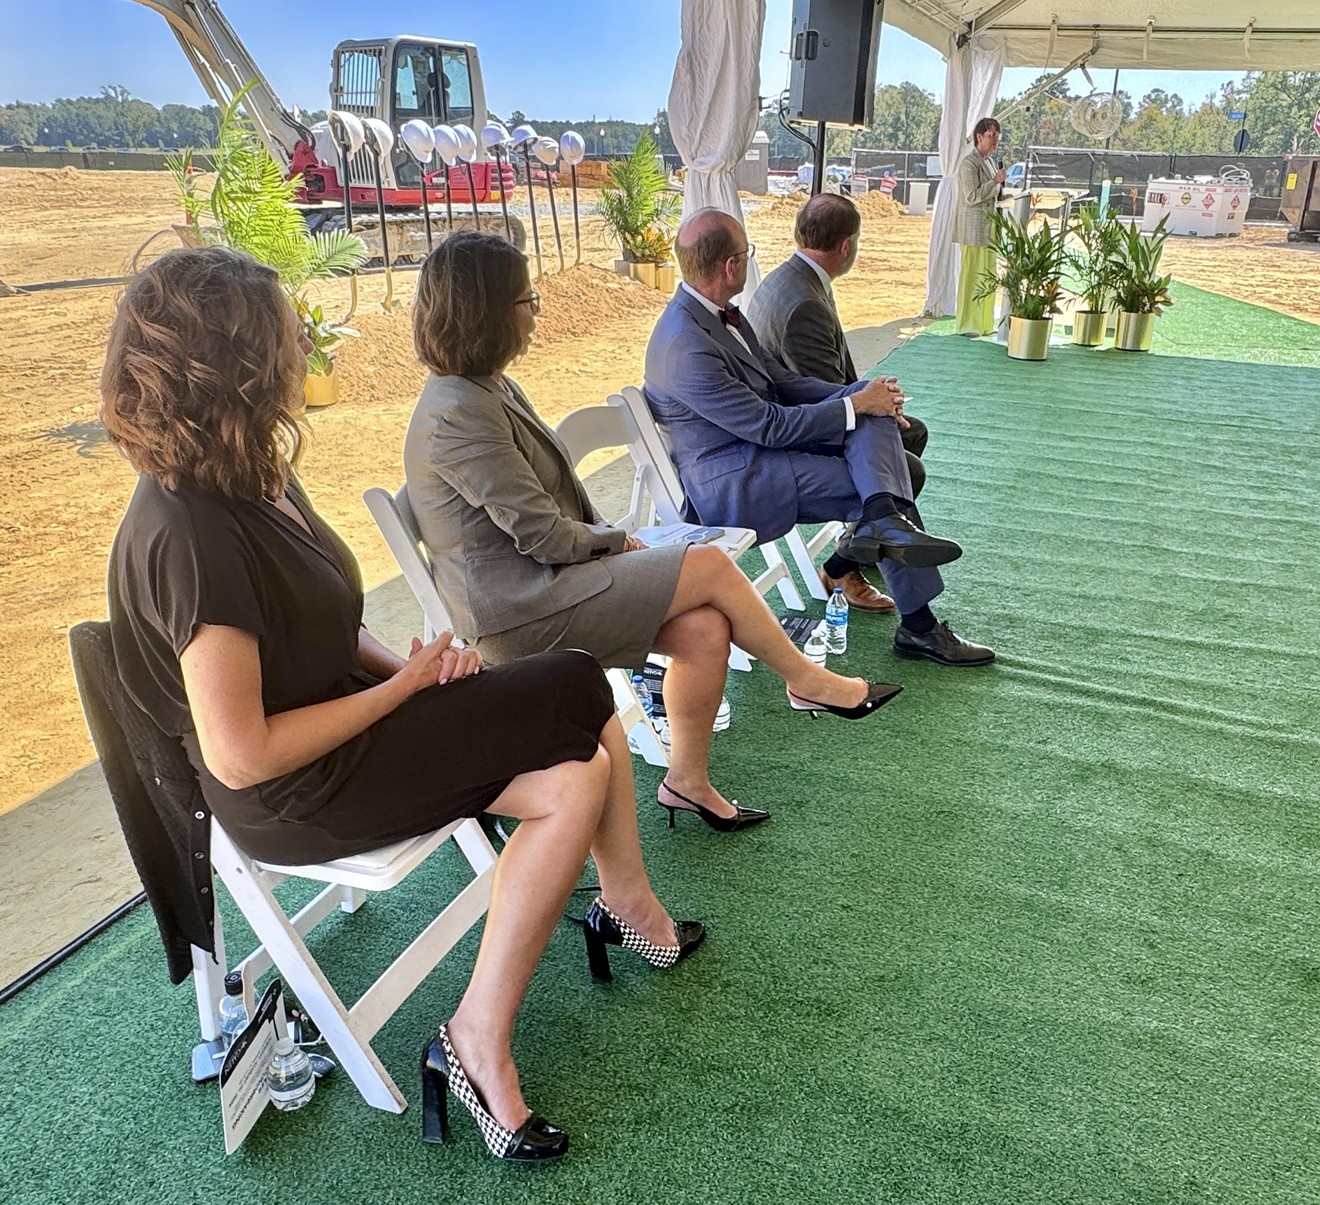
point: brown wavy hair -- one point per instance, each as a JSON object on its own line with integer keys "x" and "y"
{"x": 203, "y": 377}
{"x": 465, "y": 318}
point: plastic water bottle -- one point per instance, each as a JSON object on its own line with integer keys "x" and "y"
{"x": 814, "y": 649}
{"x": 660, "y": 725}
{"x": 836, "y": 623}
{"x": 233, "y": 1010}
{"x": 723, "y": 717}
{"x": 289, "y": 1078}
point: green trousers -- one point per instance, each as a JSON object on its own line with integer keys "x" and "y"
{"x": 975, "y": 317}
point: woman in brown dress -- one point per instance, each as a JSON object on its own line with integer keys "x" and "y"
{"x": 236, "y": 618}
{"x": 525, "y": 564}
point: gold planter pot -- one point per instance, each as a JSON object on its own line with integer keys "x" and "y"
{"x": 1089, "y": 327}
{"x": 1134, "y": 331}
{"x": 1029, "y": 338}
{"x": 664, "y": 278}
{"x": 321, "y": 388}
{"x": 645, "y": 273}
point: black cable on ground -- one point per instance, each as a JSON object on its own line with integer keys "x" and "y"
{"x": 49, "y": 964}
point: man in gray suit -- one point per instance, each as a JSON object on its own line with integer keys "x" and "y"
{"x": 796, "y": 321}
{"x": 757, "y": 446}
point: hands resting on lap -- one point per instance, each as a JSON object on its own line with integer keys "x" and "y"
{"x": 437, "y": 663}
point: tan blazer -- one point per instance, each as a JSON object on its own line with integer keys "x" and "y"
{"x": 509, "y": 526}
{"x": 977, "y": 192}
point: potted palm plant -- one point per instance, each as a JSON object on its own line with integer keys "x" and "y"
{"x": 1028, "y": 265}
{"x": 640, "y": 210}
{"x": 251, "y": 206}
{"x": 1140, "y": 291}
{"x": 1098, "y": 241}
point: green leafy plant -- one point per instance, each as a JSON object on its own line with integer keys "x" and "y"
{"x": 251, "y": 206}
{"x": 325, "y": 336}
{"x": 1028, "y": 265}
{"x": 1097, "y": 242}
{"x": 638, "y": 207}
{"x": 1139, "y": 288}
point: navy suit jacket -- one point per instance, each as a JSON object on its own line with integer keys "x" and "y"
{"x": 734, "y": 416}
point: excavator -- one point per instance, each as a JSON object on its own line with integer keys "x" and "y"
{"x": 396, "y": 80}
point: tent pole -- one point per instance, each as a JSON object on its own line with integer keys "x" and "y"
{"x": 818, "y": 161}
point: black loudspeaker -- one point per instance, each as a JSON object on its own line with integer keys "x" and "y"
{"x": 834, "y": 49}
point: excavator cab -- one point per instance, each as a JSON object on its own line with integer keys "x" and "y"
{"x": 399, "y": 79}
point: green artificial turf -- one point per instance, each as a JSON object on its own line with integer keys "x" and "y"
{"x": 1043, "y": 932}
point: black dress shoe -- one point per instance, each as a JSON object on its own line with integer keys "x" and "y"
{"x": 899, "y": 539}
{"x": 942, "y": 645}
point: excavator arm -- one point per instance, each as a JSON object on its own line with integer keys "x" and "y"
{"x": 224, "y": 67}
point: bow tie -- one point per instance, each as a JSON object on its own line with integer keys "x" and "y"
{"x": 730, "y": 315}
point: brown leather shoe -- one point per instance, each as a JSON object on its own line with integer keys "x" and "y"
{"x": 861, "y": 595}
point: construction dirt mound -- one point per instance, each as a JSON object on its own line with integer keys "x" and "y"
{"x": 875, "y": 207}
{"x": 583, "y": 299}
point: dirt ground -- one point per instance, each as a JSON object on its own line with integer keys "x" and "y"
{"x": 62, "y": 489}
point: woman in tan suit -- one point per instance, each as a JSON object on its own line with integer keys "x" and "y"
{"x": 526, "y": 564}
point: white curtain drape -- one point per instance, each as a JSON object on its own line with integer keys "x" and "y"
{"x": 971, "y": 87}
{"x": 712, "y": 102}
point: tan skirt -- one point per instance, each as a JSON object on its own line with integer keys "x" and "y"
{"x": 616, "y": 626}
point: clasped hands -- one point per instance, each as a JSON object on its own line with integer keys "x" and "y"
{"x": 881, "y": 397}
{"x": 436, "y": 663}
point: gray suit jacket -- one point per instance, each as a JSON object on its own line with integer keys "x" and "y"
{"x": 977, "y": 192}
{"x": 509, "y": 526}
{"x": 795, "y": 319}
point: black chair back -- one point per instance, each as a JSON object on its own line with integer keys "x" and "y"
{"x": 157, "y": 799}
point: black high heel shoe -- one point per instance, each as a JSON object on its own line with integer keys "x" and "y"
{"x": 534, "y": 1140}
{"x": 602, "y": 928}
{"x": 742, "y": 817}
{"x": 877, "y": 695}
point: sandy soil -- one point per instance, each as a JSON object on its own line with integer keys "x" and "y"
{"x": 63, "y": 489}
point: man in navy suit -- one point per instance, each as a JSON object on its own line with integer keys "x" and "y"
{"x": 757, "y": 446}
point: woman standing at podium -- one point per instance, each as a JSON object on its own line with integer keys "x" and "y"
{"x": 978, "y": 190}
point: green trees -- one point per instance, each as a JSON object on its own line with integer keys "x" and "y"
{"x": 115, "y": 118}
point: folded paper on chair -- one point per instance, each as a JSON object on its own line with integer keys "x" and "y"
{"x": 678, "y": 533}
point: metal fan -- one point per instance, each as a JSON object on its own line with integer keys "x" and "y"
{"x": 1098, "y": 115}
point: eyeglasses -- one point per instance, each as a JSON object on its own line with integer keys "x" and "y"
{"x": 751, "y": 250}
{"x": 534, "y": 300}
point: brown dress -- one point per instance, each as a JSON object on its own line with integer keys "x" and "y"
{"x": 187, "y": 557}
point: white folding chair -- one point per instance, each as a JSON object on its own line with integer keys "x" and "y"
{"x": 614, "y": 425}
{"x": 668, "y": 499}
{"x": 129, "y": 745}
{"x": 348, "y": 1031}
{"x": 394, "y": 517}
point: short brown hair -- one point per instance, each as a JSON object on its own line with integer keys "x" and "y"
{"x": 709, "y": 243}
{"x": 203, "y": 376}
{"x": 465, "y": 318}
{"x": 825, "y": 221}
{"x": 984, "y": 126}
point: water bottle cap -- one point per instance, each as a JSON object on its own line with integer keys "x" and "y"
{"x": 838, "y": 589}
{"x": 234, "y": 983}
{"x": 284, "y": 1046}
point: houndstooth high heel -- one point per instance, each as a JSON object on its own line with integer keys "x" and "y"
{"x": 602, "y": 928}
{"x": 534, "y": 1140}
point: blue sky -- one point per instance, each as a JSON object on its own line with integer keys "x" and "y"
{"x": 610, "y": 58}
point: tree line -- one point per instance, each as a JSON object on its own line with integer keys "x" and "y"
{"x": 1280, "y": 107}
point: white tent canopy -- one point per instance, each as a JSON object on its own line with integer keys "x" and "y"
{"x": 1187, "y": 35}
